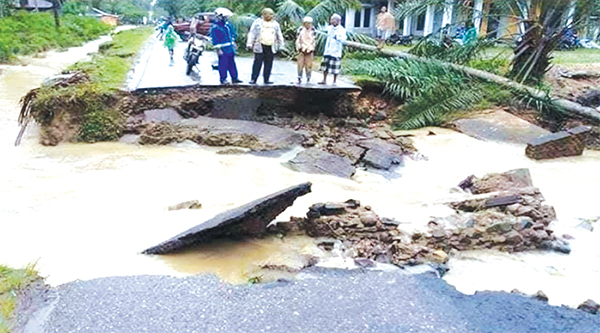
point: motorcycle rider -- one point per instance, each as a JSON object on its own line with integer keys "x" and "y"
{"x": 223, "y": 37}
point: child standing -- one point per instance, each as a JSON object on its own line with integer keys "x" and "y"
{"x": 170, "y": 39}
{"x": 305, "y": 45}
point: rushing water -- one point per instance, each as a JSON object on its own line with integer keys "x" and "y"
{"x": 86, "y": 211}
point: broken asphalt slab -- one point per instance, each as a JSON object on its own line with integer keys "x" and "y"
{"x": 324, "y": 301}
{"x": 249, "y": 220}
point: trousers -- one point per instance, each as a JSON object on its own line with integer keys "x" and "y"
{"x": 265, "y": 57}
{"x": 227, "y": 64}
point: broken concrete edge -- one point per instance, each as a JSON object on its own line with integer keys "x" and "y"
{"x": 148, "y": 90}
{"x": 568, "y": 143}
{"x": 255, "y": 211}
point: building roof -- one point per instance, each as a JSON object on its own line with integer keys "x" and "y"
{"x": 33, "y": 4}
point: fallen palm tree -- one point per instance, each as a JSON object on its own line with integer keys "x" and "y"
{"x": 569, "y": 106}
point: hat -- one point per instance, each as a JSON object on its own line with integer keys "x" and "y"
{"x": 308, "y": 19}
{"x": 223, "y": 12}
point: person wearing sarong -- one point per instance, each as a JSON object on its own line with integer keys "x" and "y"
{"x": 332, "y": 56}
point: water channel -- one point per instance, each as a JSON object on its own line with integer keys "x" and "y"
{"x": 86, "y": 211}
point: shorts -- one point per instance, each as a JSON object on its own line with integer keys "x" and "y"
{"x": 384, "y": 34}
{"x": 331, "y": 65}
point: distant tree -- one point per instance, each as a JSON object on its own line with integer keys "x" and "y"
{"x": 6, "y": 7}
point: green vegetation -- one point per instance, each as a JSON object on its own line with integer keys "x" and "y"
{"x": 90, "y": 99}
{"x": 12, "y": 281}
{"x": 29, "y": 33}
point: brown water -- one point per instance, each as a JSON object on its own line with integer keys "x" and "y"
{"x": 86, "y": 211}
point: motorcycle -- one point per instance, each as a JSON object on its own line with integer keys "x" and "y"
{"x": 397, "y": 39}
{"x": 193, "y": 52}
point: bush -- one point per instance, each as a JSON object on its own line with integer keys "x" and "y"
{"x": 28, "y": 33}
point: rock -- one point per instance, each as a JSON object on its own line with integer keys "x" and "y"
{"x": 562, "y": 144}
{"x": 440, "y": 257}
{"x": 327, "y": 245}
{"x": 344, "y": 149}
{"x": 513, "y": 238}
{"x": 558, "y": 245}
{"x": 524, "y": 223}
{"x": 590, "y": 99}
{"x": 249, "y": 220}
{"x": 589, "y": 306}
{"x": 162, "y": 116}
{"x": 507, "y": 181}
{"x": 501, "y": 227}
{"x": 314, "y": 160}
{"x": 326, "y": 209}
{"x": 194, "y": 204}
{"x": 364, "y": 262}
{"x": 380, "y": 116}
{"x": 503, "y": 201}
{"x": 540, "y": 296}
{"x": 369, "y": 219}
{"x": 381, "y": 154}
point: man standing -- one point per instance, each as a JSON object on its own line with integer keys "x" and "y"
{"x": 223, "y": 38}
{"x": 305, "y": 45}
{"x": 332, "y": 56}
{"x": 386, "y": 26}
{"x": 264, "y": 39}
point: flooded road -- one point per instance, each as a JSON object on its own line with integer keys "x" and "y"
{"x": 86, "y": 211}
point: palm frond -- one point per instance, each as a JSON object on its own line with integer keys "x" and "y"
{"x": 323, "y": 11}
{"x": 432, "y": 108}
{"x": 292, "y": 11}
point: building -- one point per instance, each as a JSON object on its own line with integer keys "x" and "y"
{"x": 484, "y": 17}
{"x": 33, "y": 4}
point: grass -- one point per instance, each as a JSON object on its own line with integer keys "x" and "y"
{"x": 29, "y": 33}
{"x": 12, "y": 281}
{"x": 92, "y": 103}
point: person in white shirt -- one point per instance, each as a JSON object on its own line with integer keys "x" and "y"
{"x": 306, "y": 42}
{"x": 264, "y": 39}
{"x": 332, "y": 57}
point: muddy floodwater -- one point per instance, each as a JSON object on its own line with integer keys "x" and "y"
{"x": 86, "y": 211}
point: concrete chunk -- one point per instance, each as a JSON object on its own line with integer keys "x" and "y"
{"x": 250, "y": 220}
{"x": 562, "y": 144}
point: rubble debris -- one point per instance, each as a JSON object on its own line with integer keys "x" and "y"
{"x": 250, "y": 220}
{"x": 589, "y": 306}
{"x": 561, "y": 144}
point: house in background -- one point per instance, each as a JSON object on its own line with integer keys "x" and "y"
{"x": 363, "y": 20}
{"x": 485, "y": 18}
{"x": 33, "y": 4}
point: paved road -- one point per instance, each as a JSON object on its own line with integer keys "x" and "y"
{"x": 155, "y": 70}
{"x": 326, "y": 301}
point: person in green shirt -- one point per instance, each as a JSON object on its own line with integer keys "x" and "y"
{"x": 170, "y": 39}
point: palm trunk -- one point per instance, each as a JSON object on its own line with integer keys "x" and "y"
{"x": 575, "y": 108}
{"x": 55, "y": 6}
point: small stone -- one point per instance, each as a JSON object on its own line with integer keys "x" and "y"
{"x": 440, "y": 256}
{"x": 589, "y": 306}
{"x": 513, "y": 238}
{"x": 353, "y": 204}
{"x": 194, "y": 204}
{"x": 500, "y": 227}
{"x": 525, "y": 223}
{"x": 586, "y": 225}
{"x": 540, "y": 296}
{"x": 523, "y": 211}
{"x": 513, "y": 208}
{"x": 326, "y": 245}
{"x": 438, "y": 233}
{"x": 364, "y": 262}
{"x": 380, "y": 116}
{"x": 369, "y": 219}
